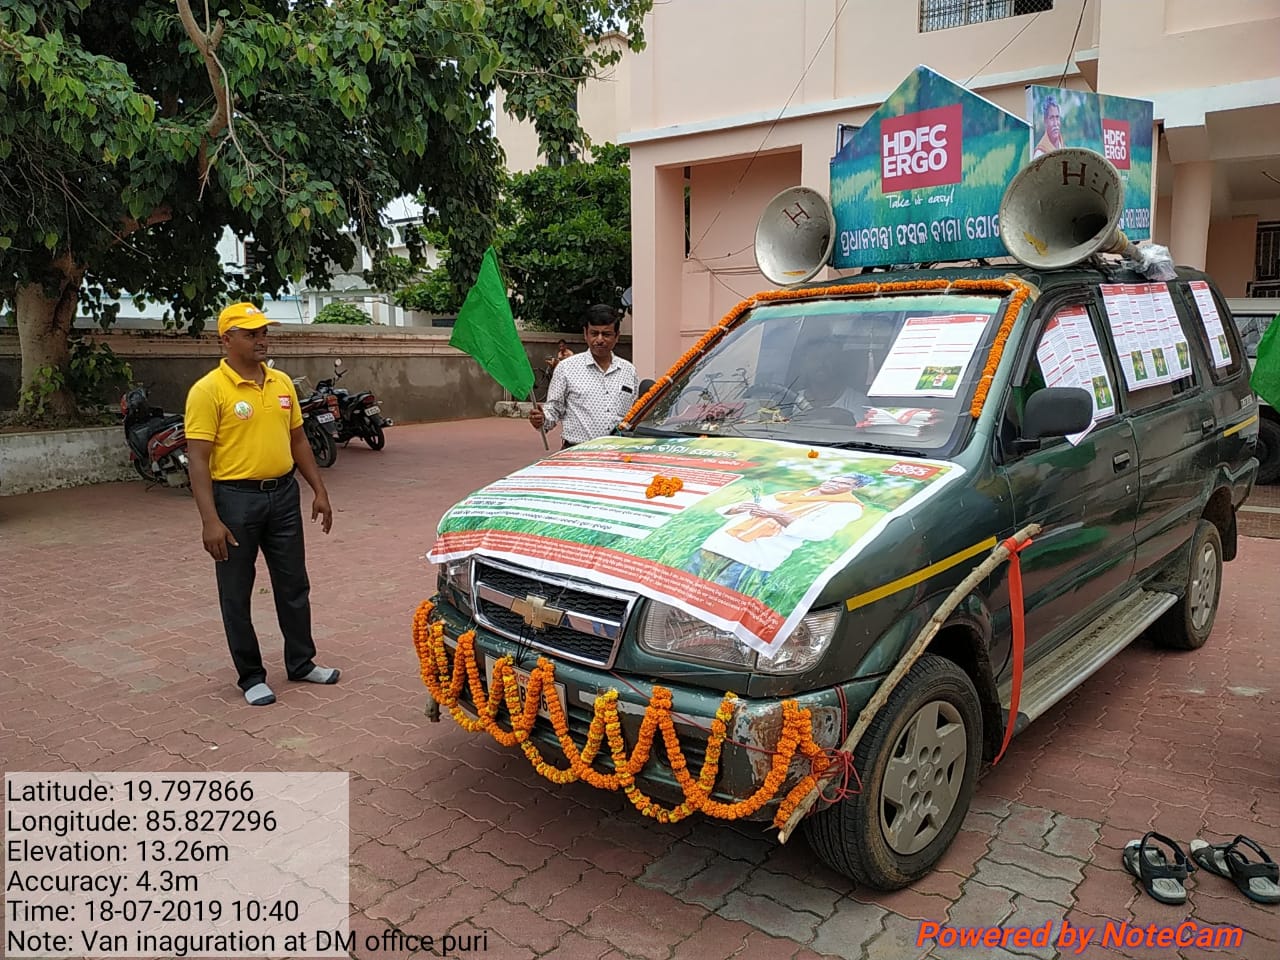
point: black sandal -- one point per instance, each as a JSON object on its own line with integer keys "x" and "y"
{"x": 1260, "y": 882}
{"x": 1162, "y": 881}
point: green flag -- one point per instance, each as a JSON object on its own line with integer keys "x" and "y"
{"x": 486, "y": 330}
{"x": 1266, "y": 369}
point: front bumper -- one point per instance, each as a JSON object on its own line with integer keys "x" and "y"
{"x": 753, "y": 732}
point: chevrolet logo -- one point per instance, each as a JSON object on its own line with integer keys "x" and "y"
{"x": 536, "y": 613}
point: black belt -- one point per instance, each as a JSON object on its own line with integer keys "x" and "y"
{"x": 267, "y": 485}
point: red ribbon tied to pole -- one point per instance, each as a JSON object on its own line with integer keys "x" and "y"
{"x": 1017, "y": 614}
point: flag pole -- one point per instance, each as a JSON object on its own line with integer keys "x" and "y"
{"x": 542, "y": 429}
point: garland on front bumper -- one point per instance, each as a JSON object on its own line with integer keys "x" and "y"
{"x": 444, "y": 680}
{"x": 1018, "y": 288}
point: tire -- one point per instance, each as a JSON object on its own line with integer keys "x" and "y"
{"x": 322, "y": 446}
{"x": 869, "y": 836}
{"x": 1188, "y": 623}
{"x": 142, "y": 470}
{"x": 1268, "y": 451}
{"x": 375, "y": 437}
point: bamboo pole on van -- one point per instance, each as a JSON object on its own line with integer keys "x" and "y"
{"x": 998, "y": 556}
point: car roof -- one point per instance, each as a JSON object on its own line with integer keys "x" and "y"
{"x": 1077, "y": 275}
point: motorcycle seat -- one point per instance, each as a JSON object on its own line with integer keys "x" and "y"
{"x": 141, "y": 433}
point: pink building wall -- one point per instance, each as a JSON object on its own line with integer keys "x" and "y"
{"x": 725, "y": 80}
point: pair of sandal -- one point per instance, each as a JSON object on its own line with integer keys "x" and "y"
{"x": 1164, "y": 881}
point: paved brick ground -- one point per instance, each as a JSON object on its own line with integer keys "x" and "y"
{"x": 113, "y": 658}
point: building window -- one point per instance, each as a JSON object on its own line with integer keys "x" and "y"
{"x": 1266, "y": 264}
{"x": 943, "y": 14}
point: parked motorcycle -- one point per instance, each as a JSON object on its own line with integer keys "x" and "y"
{"x": 361, "y": 415}
{"x": 320, "y": 415}
{"x": 157, "y": 440}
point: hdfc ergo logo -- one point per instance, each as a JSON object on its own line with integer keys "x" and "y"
{"x": 1115, "y": 142}
{"x": 921, "y": 149}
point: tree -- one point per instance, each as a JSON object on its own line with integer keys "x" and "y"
{"x": 132, "y": 134}
{"x": 346, "y": 313}
{"x": 569, "y": 240}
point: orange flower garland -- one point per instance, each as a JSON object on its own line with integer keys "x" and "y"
{"x": 445, "y": 681}
{"x": 664, "y": 487}
{"x": 1019, "y": 288}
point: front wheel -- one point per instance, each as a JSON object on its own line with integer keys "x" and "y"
{"x": 919, "y": 761}
{"x": 375, "y": 437}
{"x": 322, "y": 446}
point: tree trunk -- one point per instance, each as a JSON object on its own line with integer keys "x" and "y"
{"x": 45, "y": 314}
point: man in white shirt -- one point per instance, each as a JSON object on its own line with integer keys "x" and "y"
{"x": 590, "y": 392}
{"x": 762, "y": 533}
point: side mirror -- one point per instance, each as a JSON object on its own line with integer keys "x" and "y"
{"x": 1057, "y": 412}
{"x": 271, "y": 363}
{"x": 646, "y": 386}
{"x": 337, "y": 363}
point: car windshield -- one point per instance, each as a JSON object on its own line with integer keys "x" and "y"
{"x": 887, "y": 372}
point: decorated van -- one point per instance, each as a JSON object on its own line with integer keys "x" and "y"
{"x": 862, "y": 533}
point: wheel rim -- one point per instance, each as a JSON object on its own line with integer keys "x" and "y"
{"x": 923, "y": 778}
{"x": 1204, "y": 586}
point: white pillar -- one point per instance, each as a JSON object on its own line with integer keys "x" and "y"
{"x": 1191, "y": 207}
{"x": 657, "y": 256}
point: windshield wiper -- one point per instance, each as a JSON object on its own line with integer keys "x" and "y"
{"x": 878, "y": 447}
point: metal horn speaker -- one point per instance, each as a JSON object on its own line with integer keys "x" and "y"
{"x": 795, "y": 236}
{"x": 1062, "y": 208}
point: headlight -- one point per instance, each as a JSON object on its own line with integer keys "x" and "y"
{"x": 806, "y": 645}
{"x": 455, "y": 578}
{"x": 668, "y": 630}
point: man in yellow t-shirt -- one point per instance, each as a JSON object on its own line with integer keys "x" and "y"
{"x": 244, "y": 442}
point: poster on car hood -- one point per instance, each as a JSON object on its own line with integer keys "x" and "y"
{"x": 742, "y": 533}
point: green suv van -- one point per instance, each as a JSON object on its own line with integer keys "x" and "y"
{"x": 783, "y": 514}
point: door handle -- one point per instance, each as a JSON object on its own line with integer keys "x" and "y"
{"x": 1120, "y": 461}
{"x": 1206, "y": 427}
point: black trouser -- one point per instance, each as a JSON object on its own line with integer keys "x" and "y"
{"x": 272, "y": 520}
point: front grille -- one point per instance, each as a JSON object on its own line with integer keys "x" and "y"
{"x": 594, "y": 618}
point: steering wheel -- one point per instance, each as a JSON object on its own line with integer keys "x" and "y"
{"x": 775, "y": 393}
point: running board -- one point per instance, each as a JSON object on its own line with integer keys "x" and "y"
{"x": 1073, "y": 662}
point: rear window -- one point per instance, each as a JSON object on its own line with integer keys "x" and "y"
{"x": 1213, "y": 328}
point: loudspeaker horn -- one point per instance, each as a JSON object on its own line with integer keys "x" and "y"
{"x": 795, "y": 236}
{"x": 1062, "y": 208}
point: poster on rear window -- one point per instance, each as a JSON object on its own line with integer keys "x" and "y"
{"x": 922, "y": 179}
{"x": 1148, "y": 334}
{"x": 753, "y": 533}
{"x": 1119, "y": 128}
{"x": 1219, "y": 348}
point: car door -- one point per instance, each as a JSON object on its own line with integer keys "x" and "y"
{"x": 1173, "y": 419}
{"x": 1082, "y": 491}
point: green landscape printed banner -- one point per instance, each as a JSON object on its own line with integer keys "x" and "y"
{"x": 1116, "y": 127}
{"x": 923, "y": 179}
{"x": 753, "y": 533}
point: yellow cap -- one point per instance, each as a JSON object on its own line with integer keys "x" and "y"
{"x": 243, "y": 315}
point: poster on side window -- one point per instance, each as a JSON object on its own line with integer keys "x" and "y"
{"x": 1219, "y": 348}
{"x": 1149, "y": 340}
{"x": 1069, "y": 356}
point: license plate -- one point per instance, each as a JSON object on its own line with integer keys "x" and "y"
{"x": 324, "y": 417}
{"x": 522, "y": 681}
{"x": 372, "y": 410}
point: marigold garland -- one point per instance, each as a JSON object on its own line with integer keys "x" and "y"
{"x": 664, "y": 487}
{"x": 1011, "y": 284}
{"x": 445, "y": 681}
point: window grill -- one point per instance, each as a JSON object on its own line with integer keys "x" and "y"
{"x": 944, "y": 14}
{"x": 1266, "y": 265}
